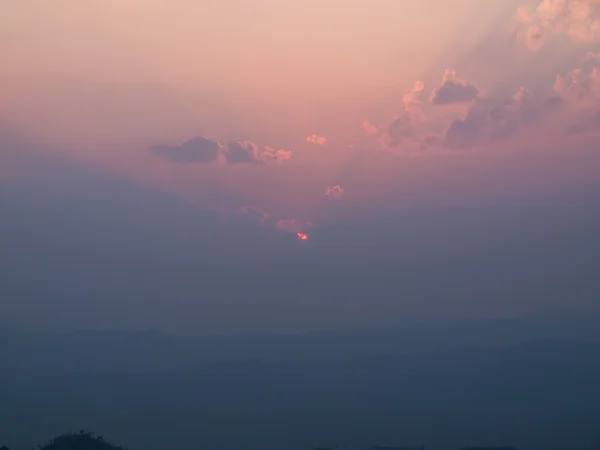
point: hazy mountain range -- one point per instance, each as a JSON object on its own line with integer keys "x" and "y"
{"x": 527, "y": 382}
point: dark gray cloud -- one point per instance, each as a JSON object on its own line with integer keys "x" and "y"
{"x": 203, "y": 150}
{"x": 453, "y": 90}
{"x": 493, "y": 119}
{"x": 400, "y": 130}
{"x": 241, "y": 152}
{"x": 196, "y": 150}
{"x": 430, "y": 141}
{"x": 475, "y": 127}
{"x": 591, "y": 123}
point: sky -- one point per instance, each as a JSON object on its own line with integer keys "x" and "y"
{"x": 258, "y": 164}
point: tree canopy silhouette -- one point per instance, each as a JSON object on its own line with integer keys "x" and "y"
{"x": 79, "y": 441}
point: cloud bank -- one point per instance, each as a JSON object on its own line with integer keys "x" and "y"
{"x": 577, "y": 20}
{"x": 570, "y": 105}
{"x": 204, "y": 150}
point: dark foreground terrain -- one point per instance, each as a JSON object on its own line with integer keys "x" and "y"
{"x": 84, "y": 440}
{"x": 151, "y": 391}
{"x": 77, "y": 441}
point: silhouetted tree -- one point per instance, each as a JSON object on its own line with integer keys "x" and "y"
{"x": 4, "y": 447}
{"x": 490, "y": 448}
{"x": 83, "y": 440}
{"x": 396, "y": 448}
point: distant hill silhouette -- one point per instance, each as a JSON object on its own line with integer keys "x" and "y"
{"x": 79, "y": 441}
{"x": 538, "y": 394}
{"x": 27, "y": 355}
{"x": 84, "y": 440}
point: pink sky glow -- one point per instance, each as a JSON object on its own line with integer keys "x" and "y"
{"x": 296, "y": 113}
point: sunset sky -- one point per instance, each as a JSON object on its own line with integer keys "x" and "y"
{"x": 283, "y": 117}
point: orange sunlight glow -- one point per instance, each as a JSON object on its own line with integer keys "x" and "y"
{"x": 302, "y": 236}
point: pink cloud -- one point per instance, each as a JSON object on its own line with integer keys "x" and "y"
{"x": 579, "y": 85}
{"x": 578, "y": 20}
{"x": 370, "y": 129}
{"x": 316, "y": 139}
{"x": 401, "y": 130}
{"x": 575, "y": 109}
{"x": 580, "y": 93}
{"x": 522, "y": 95}
{"x": 490, "y": 119}
{"x": 415, "y": 96}
{"x": 281, "y": 155}
{"x": 420, "y": 125}
{"x": 296, "y": 227}
{"x": 293, "y": 225}
{"x": 253, "y": 211}
{"x": 591, "y": 56}
{"x": 335, "y": 191}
